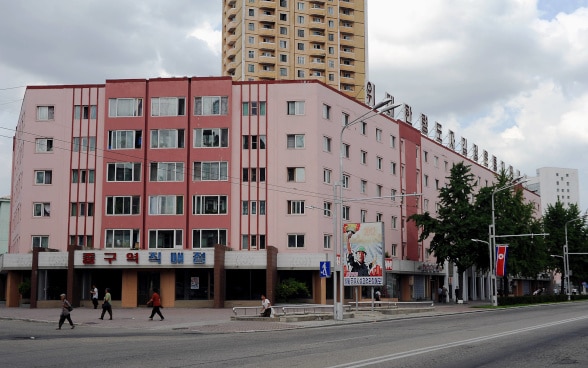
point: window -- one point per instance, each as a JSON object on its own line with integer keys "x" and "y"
{"x": 379, "y": 190}
{"x": 247, "y": 111}
{"x": 283, "y": 44}
{"x": 393, "y": 168}
{"x": 378, "y": 135}
{"x": 283, "y": 72}
{"x": 331, "y": 35}
{"x": 344, "y": 118}
{"x": 426, "y": 204}
{"x": 123, "y": 171}
{"x": 211, "y": 171}
{"x": 209, "y": 205}
{"x": 168, "y": 106}
{"x": 296, "y": 174}
{"x": 326, "y": 111}
{"x": 379, "y": 217}
{"x": 345, "y": 214}
{"x": 363, "y": 128}
{"x": 208, "y": 238}
{"x": 363, "y": 157}
{"x": 257, "y": 142}
{"x": 327, "y": 209}
{"x": 295, "y": 207}
{"x": 295, "y": 107}
{"x": 345, "y": 183}
{"x": 300, "y": 33}
{"x": 166, "y": 205}
{"x": 327, "y": 240}
{"x": 43, "y": 177}
{"x": 436, "y": 183}
{"x": 300, "y": 5}
{"x": 167, "y": 138}
{"x": 85, "y": 209}
{"x": 326, "y": 144}
{"x": 211, "y": 105}
{"x": 124, "y": 139}
{"x": 426, "y": 180}
{"x": 121, "y": 238}
{"x": 123, "y": 205}
{"x": 426, "y": 156}
{"x": 251, "y": 54}
{"x": 40, "y": 241}
{"x": 251, "y": 26}
{"x": 251, "y": 12}
{"x": 45, "y": 112}
{"x": 284, "y": 17}
{"x": 392, "y": 141}
{"x": 327, "y": 176}
{"x": 125, "y": 107}
{"x": 245, "y": 208}
{"x": 300, "y": 60}
{"x": 84, "y": 144}
{"x": 301, "y": 74}
{"x": 43, "y": 145}
{"x": 363, "y": 186}
{"x": 295, "y": 241}
{"x": 283, "y": 58}
{"x": 82, "y": 176}
{"x": 379, "y": 162}
{"x": 85, "y": 112}
{"x": 166, "y": 238}
{"x": 394, "y": 221}
{"x": 393, "y": 194}
{"x": 41, "y": 209}
{"x": 300, "y": 19}
{"x": 363, "y": 215}
{"x": 251, "y": 39}
{"x": 295, "y": 141}
{"x": 166, "y": 171}
{"x": 346, "y": 149}
{"x": 251, "y": 68}
{"x": 394, "y": 247}
{"x": 250, "y": 174}
{"x": 210, "y": 138}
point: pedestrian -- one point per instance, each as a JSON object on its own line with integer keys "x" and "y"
{"x": 155, "y": 302}
{"x": 106, "y": 305}
{"x": 457, "y": 294}
{"x": 445, "y": 292}
{"x": 94, "y": 296}
{"x": 266, "y": 309}
{"x": 65, "y": 309}
{"x": 440, "y": 294}
{"x": 378, "y": 295}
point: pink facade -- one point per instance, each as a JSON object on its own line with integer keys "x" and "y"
{"x": 182, "y": 164}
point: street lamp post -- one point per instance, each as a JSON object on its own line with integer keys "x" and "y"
{"x": 492, "y": 235}
{"x": 566, "y": 257}
{"x": 338, "y": 202}
{"x": 565, "y": 267}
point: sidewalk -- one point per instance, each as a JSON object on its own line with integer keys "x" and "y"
{"x": 209, "y": 320}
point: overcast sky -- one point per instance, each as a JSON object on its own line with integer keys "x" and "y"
{"x": 509, "y": 75}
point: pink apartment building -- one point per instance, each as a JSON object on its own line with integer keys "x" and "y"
{"x": 213, "y": 191}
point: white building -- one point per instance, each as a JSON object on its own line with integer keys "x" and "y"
{"x": 556, "y": 184}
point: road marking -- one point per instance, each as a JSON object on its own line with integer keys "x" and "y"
{"x": 387, "y": 358}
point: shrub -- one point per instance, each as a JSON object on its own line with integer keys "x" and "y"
{"x": 24, "y": 288}
{"x": 291, "y": 288}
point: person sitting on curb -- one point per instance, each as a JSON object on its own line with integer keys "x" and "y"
{"x": 266, "y": 309}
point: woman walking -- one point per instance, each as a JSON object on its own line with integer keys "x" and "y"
{"x": 155, "y": 301}
{"x": 65, "y": 309}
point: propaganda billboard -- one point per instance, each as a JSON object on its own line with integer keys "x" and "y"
{"x": 364, "y": 254}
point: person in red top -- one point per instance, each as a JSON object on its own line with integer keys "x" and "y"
{"x": 155, "y": 302}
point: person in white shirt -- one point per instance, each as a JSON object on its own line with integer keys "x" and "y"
{"x": 94, "y": 296}
{"x": 266, "y": 309}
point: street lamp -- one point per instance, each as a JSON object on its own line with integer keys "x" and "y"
{"x": 492, "y": 274}
{"x": 566, "y": 258}
{"x": 565, "y": 268}
{"x": 492, "y": 233}
{"x": 338, "y": 202}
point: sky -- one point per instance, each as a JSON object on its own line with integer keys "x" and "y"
{"x": 511, "y": 76}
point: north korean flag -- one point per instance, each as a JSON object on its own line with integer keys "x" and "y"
{"x": 501, "y": 260}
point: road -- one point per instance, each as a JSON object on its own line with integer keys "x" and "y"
{"x": 538, "y": 336}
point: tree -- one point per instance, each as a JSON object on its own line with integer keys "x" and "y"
{"x": 527, "y": 255}
{"x": 456, "y": 223}
{"x": 555, "y": 219}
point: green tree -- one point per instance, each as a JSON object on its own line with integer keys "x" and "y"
{"x": 527, "y": 255}
{"x": 555, "y": 219}
{"x": 456, "y": 223}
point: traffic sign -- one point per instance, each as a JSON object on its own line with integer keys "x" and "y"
{"x": 325, "y": 269}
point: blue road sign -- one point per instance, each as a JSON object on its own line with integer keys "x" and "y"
{"x": 325, "y": 269}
